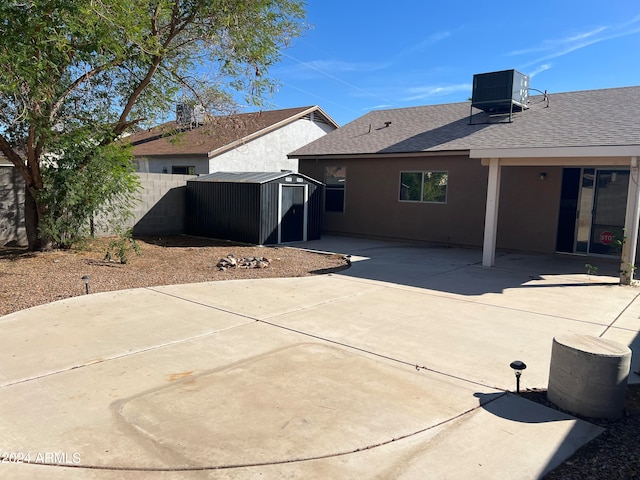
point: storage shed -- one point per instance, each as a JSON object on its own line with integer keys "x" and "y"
{"x": 262, "y": 208}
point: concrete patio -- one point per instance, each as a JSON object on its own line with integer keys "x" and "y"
{"x": 395, "y": 368}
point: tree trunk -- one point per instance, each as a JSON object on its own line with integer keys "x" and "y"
{"x": 32, "y": 215}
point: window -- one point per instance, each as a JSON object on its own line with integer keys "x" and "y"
{"x": 429, "y": 186}
{"x": 182, "y": 170}
{"x": 335, "y": 179}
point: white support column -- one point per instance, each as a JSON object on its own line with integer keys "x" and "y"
{"x": 491, "y": 214}
{"x": 631, "y": 224}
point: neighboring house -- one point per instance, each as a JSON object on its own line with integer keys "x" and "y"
{"x": 561, "y": 176}
{"x": 4, "y": 161}
{"x": 245, "y": 142}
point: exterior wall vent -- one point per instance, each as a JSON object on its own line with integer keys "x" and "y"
{"x": 500, "y": 93}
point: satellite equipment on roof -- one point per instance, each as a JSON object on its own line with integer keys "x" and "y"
{"x": 189, "y": 115}
{"x": 198, "y": 115}
{"x": 500, "y": 93}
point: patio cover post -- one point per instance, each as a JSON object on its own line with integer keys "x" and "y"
{"x": 491, "y": 214}
{"x": 632, "y": 218}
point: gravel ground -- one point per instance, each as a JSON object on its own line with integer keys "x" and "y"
{"x": 613, "y": 455}
{"x": 30, "y": 279}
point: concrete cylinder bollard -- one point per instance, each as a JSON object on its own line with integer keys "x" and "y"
{"x": 588, "y": 375}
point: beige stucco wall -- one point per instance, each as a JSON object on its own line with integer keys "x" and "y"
{"x": 529, "y": 208}
{"x": 372, "y": 206}
{"x": 527, "y": 218}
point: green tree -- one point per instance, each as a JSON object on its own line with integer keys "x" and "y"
{"x": 78, "y": 74}
{"x": 89, "y": 186}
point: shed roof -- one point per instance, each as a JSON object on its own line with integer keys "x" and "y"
{"x": 250, "y": 177}
{"x": 219, "y": 134}
{"x": 607, "y": 117}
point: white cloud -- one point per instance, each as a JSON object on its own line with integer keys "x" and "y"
{"x": 562, "y": 43}
{"x": 581, "y": 36}
{"x": 422, "y": 45}
{"x": 562, "y": 46}
{"x": 338, "y": 66}
{"x": 540, "y": 69}
{"x": 378, "y": 107}
{"x": 420, "y": 93}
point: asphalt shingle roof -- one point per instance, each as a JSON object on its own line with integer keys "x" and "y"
{"x": 216, "y": 134}
{"x": 608, "y": 117}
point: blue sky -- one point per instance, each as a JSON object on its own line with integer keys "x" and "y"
{"x": 363, "y": 55}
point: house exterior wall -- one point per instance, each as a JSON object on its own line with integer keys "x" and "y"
{"x": 12, "y": 229}
{"x": 372, "y": 206}
{"x": 529, "y": 209}
{"x": 268, "y": 153}
{"x": 157, "y": 163}
{"x": 528, "y": 215}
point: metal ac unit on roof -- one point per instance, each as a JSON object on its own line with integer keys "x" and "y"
{"x": 501, "y": 92}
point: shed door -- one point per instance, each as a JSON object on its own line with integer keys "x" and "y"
{"x": 293, "y": 216}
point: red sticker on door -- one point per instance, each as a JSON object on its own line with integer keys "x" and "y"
{"x": 606, "y": 238}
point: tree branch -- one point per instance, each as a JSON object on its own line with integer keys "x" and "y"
{"x": 176, "y": 26}
{"x": 79, "y": 81}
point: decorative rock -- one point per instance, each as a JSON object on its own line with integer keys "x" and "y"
{"x": 250, "y": 262}
{"x": 588, "y": 375}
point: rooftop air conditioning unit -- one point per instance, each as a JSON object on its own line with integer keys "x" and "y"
{"x": 501, "y": 92}
{"x": 184, "y": 113}
{"x": 198, "y": 115}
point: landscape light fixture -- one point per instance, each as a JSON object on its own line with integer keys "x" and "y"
{"x": 518, "y": 367}
{"x": 85, "y": 279}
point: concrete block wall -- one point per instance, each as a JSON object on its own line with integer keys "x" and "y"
{"x": 12, "y": 231}
{"x": 160, "y": 211}
{"x": 162, "y": 206}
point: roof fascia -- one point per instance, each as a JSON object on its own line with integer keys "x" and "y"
{"x": 557, "y": 152}
{"x": 324, "y": 114}
{"x": 447, "y": 153}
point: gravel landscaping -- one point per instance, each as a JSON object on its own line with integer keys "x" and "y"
{"x": 613, "y": 455}
{"x": 28, "y": 279}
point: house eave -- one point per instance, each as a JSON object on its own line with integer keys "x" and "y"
{"x": 602, "y": 151}
{"x": 346, "y": 156}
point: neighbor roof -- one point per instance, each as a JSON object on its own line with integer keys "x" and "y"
{"x": 606, "y": 117}
{"x": 219, "y": 134}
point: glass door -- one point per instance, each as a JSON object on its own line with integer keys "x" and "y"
{"x": 602, "y": 205}
{"x": 585, "y": 210}
{"x": 609, "y": 209}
